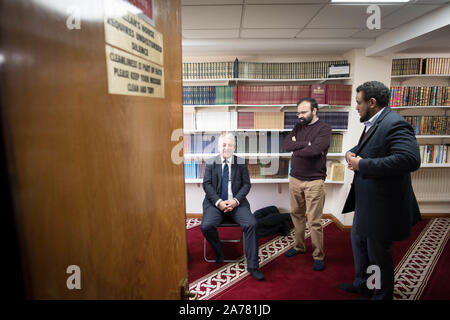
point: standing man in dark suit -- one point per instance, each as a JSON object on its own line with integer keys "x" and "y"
{"x": 381, "y": 194}
{"x": 226, "y": 183}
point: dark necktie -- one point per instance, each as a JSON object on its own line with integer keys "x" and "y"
{"x": 364, "y": 135}
{"x": 225, "y": 177}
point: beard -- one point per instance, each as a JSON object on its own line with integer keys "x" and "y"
{"x": 306, "y": 120}
{"x": 364, "y": 117}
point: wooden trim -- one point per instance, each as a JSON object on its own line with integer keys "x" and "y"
{"x": 435, "y": 215}
{"x": 338, "y": 223}
{"x": 194, "y": 215}
{"x": 325, "y": 216}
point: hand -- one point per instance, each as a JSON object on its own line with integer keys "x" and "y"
{"x": 222, "y": 205}
{"x": 348, "y": 156}
{"x": 230, "y": 205}
{"x": 293, "y": 139}
{"x": 354, "y": 162}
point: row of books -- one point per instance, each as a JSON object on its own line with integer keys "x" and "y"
{"x": 248, "y": 142}
{"x": 335, "y": 170}
{"x": 270, "y": 169}
{"x": 260, "y": 70}
{"x": 194, "y": 169}
{"x": 336, "y": 119}
{"x": 413, "y": 66}
{"x": 333, "y": 94}
{"x": 434, "y": 153}
{"x": 209, "y": 70}
{"x": 420, "y": 96}
{"x": 287, "y": 70}
{"x": 429, "y": 125}
{"x": 207, "y": 95}
{"x": 227, "y": 121}
{"x": 210, "y": 121}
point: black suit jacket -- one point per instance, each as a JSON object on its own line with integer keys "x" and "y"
{"x": 381, "y": 191}
{"x": 212, "y": 181}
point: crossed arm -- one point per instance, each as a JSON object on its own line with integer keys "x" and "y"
{"x": 313, "y": 148}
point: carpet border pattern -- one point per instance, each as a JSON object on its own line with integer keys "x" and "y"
{"x": 219, "y": 280}
{"x": 414, "y": 270}
{"x": 193, "y": 222}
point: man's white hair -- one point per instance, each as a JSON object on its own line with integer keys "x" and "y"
{"x": 226, "y": 135}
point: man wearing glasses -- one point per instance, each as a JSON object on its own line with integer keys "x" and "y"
{"x": 308, "y": 142}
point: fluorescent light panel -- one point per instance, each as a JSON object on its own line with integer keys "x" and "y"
{"x": 368, "y": 1}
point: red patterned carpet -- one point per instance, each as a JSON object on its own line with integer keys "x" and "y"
{"x": 422, "y": 264}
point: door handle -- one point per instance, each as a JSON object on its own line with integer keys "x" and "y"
{"x": 185, "y": 294}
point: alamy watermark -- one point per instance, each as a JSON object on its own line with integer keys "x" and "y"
{"x": 256, "y": 146}
{"x": 374, "y": 280}
{"x": 74, "y": 280}
{"x": 374, "y": 20}
{"x": 74, "y": 19}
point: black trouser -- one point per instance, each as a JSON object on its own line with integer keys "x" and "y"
{"x": 212, "y": 217}
{"x": 367, "y": 252}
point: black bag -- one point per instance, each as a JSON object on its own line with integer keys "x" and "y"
{"x": 269, "y": 221}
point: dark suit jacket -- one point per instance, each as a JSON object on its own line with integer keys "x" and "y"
{"x": 381, "y": 191}
{"x": 212, "y": 181}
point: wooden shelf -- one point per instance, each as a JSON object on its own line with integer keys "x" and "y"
{"x": 257, "y": 105}
{"x": 421, "y": 107}
{"x": 435, "y": 165}
{"x": 261, "y": 181}
{"x": 421, "y": 76}
{"x": 263, "y": 80}
{"x": 188, "y": 131}
{"x": 251, "y": 155}
{"x": 434, "y": 200}
{"x": 433, "y": 137}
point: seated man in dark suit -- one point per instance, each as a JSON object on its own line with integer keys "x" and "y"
{"x": 226, "y": 183}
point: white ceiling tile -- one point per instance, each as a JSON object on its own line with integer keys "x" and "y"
{"x": 284, "y": 1}
{"x": 346, "y": 16}
{"x": 211, "y": 17}
{"x": 327, "y": 33}
{"x": 278, "y": 16}
{"x": 369, "y": 34}
{"x": 406, "y": 14}
{"x": 211, "y": 34}
{"x": 209, "y": 2}
{"x": 269, "y": 33}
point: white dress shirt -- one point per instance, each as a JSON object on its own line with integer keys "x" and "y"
{"x": 369, "y": 123}
{"x": 230, "y": 192}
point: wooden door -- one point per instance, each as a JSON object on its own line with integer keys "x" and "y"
{"x": 92, "y": 179}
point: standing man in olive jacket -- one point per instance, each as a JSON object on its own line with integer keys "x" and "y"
{"x": 381, "y": 194}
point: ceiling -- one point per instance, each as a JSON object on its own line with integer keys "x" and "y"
{"x": 295, "y": 26}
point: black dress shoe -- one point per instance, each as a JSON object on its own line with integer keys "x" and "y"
{"x": 349, "y": 287}
{"x": 256, "y": 274}
{"x": 292, "y": 252}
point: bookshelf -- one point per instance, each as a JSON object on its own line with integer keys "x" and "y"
{"x": 253, "y": 180}
{"x": 242, "y": 80}
{"x": 269, "y": 103}
{"x": 422, "y": 96}
{"x": 190, "y": 156}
